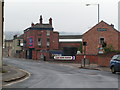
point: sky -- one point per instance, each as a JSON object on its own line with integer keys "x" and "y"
{"x": 69, "y": 16}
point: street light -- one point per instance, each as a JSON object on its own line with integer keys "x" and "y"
{"x": 98, "y": 9}
{"x": 98, "y": 18}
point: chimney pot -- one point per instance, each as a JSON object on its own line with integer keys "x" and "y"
{"x": 112, "y": 25}
{"x": 50, "y": 21}
{"x": 41, "y": 19}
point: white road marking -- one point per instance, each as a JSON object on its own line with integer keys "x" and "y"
{"x": 19, "y": 80}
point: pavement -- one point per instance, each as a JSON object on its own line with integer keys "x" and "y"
{"x": 14, "y": 74}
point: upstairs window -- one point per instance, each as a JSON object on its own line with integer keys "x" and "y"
{"x": 39, "y": 42}
{"x": 48, "y": 33}
{"x": 102, "y": 40}
{"x": 18, "y": 43}
{"x": 48, "y": 42}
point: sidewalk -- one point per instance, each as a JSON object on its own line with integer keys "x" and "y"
{"x": 12, "y": 74}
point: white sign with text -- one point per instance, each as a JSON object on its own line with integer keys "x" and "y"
{"x": 64, "y": 57}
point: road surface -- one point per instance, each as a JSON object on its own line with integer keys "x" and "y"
{"x": 47, "y": 75}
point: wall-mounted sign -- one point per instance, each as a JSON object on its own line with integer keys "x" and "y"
{"x": 101, "y": 29}
{"x": 31, "y": 42}
{"x": 64, "y": 57}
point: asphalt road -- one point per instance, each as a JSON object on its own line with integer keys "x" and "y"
{"x": 47, "y": 75}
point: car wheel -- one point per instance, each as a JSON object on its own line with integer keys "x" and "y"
{"x": 113, "y": 70}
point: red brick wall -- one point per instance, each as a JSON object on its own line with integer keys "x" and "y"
{"x": 34, "y": 55}
{"x": 92, "y": 37}
{"x": 69, "y": 44}
{"x": 54, "y": 43}
{"x": 36, "y": 34}
{"x": 92, "y": 58}
{"x": 104, "y": 60}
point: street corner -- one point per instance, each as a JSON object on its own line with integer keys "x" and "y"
{"x": 99, "y": 68}
{"x": 13, "y": 75}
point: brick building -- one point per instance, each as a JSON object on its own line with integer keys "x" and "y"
{"x": 39, "y": 39}
{"x": 99, "y": 34}
{"x": 17, "y": 47}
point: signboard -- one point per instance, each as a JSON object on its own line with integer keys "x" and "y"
{"x": 101, "y": 29}
{"x": 31, "y": 42}
{"x": 64, "y": 57}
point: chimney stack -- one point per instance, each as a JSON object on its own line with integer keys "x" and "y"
{"x": 50, "y": 21}
{"x": 112, "y": 25}
{"x": 15, "y": 36}
{"x": 41, "y": 19}
{"x": 32, "y": 24}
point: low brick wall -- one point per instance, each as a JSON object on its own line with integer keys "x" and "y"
{"x": 92, "y": 58}
{"x": 101, "y": 60}
{"x": 104, "y": 60}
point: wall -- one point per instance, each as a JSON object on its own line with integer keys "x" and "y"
{"x": 101, "y": 60}
{"x": 36, "y": 34}
{"x": 92, "y": 58}
{"x": 104, "y": 60}
{"x": 69, "y": 44}
{"x": 92, "y": 37}
{"x": 54, "y": 43}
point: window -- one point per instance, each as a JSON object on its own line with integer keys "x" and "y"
{"x": 18, "y": 51}
{"x": 48, "y": 33}
{"x": 101, "y": 40}
{"x": 39, "y": 42}
{"x": 18, "y": 43}
{"x": 39, "y": 34}
{"x": 118, "y": 58}
{"x": 48, "y": 42}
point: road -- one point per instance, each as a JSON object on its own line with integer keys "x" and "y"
{"x": 47, "y": 75}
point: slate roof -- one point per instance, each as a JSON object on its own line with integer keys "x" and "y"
{"x": 42, "y": 26}
{"x": 70, "y": 36}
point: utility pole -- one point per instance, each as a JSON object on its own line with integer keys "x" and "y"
{"x": 84, "y": 44}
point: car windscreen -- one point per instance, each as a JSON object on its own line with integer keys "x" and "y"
{"x": 115, "y": 57}
{"x": 118, "y": 58}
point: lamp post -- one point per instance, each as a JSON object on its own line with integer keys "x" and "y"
{"x": 98, "y": 20}
{"x": 98, "y": 10}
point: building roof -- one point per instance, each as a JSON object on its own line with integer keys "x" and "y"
{"x": 8, "y": 40}
{"x": 42, "y": 26}
{"x": 112, "y": 26}
{"x": 70, "y": 36}
{"x": 20, "y": 37}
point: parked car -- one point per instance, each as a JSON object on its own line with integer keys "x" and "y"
{"x": 115, "y": 64}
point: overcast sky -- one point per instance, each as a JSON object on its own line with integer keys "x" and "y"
{"x": 68, "y": 15}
